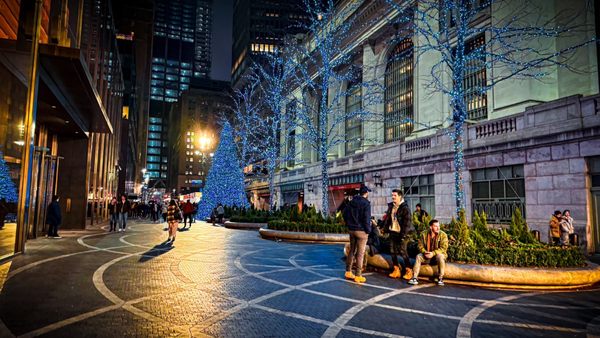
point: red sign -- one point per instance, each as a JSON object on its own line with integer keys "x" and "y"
{"x": 345, "y": 186}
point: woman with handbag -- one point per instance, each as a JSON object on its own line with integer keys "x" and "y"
{"x": 173, "y": 218}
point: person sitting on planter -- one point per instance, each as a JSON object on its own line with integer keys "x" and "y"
{"x": 433, "y": 245}
{"x": 398, "y": 226}
{"x": 555, "y": 227}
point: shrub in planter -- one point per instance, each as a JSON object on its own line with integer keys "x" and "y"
{"x": 307, "y": 221}
{"x": 513, "y": 247}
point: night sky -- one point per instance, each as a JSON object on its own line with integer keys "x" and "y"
{"x": 222, "y": 39}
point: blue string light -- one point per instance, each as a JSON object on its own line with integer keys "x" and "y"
{"x": 8, "y": 190}
{"x": 512, "y": 45}
{"x": 225, "y": 180}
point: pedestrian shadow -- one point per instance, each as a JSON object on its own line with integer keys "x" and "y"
{"x": 156, "y": 251}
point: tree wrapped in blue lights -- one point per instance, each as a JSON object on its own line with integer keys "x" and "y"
{"x": 8, "y": 190}
{"x": 245, "y": 113}
{"x": 518, "y": 40}
{"x": 225, "y": 180}
{"x": 275, "y": 74}
{"x": 326, "y": 68}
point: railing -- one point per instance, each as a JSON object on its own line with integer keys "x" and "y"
{"x": 499, "y": 210}
{"x": 496, "y": 128}
{"x": 417, "y": 145}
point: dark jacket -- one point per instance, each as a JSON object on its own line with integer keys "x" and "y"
{"x": 53, "y": 216}
{"x": 357, "y": 214}
{"x": 112, "y": 209}
{"x": 123, "y": 207}
{"x": 403, "y": 215}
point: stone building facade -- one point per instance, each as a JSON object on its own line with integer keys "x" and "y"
{"x": 533, "y": 144}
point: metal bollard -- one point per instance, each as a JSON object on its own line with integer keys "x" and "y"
{"x": 536, "y": 234}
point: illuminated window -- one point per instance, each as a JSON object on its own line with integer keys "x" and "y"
{"x": 354, "y": 124}
{"x": 474, "y": 80}
{"x": 399, "y": 110}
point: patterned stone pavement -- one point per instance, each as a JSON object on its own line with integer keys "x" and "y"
{"x": 230, "y": 283}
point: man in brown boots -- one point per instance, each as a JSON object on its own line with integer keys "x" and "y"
{"x": 398, "y": 224}
{"x": 357, "y": 216}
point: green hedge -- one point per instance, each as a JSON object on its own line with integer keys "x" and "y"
{"x": 514, "y": 246}
{"x": 285, "y": 225}
{"x": 308, "y": 221}
{"x": 249, "y": 219}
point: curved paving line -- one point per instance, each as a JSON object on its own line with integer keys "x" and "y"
{"x": 337, "y": 326}
{"x": 593, "y": 328}
{"x": 98, "y": 280}
{"x": 251, "y": 303}
{"x": 466, "y": 323}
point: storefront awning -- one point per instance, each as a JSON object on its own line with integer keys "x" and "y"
{"x": 65, "y": 81}
{"x": 66, "y": 75}
{"x": 347, "y": 179}
{"x": 292, "y": 187}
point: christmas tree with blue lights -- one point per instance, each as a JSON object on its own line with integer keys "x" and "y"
{"x": 8, "y": 191}
{"x": 225, "y": 180}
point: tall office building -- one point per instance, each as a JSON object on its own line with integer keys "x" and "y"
{"x": 181, "y": 50}
{"x": 259, "y": 27}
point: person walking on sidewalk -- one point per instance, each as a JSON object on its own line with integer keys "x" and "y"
{"x": 357, "y": 215}
{"x": 123, "y": 208}
{"x": 53, "y": 217}
{"x": 398, "y": 224}
{"x": 433, "y": 247}
{"x": 220, "y": 213}
{"x": 114, "y": 217}
{"x": 188, "y": 211}
{"x": 173, "y": 217}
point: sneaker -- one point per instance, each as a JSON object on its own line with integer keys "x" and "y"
{"x": 359, "y": 279}
{"x": 349, "y": 275}
{"x": 440, "y": 282}
{"x": 57, "y": 237}
{"x": 120, "y": 230}
{"x": 413, "y": 281}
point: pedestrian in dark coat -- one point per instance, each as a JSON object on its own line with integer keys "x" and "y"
{"x": 123, "y": 208}
{"x": 357, "y": 215}
{"x": 53, "y": 217}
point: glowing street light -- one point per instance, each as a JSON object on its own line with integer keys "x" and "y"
{"x": 204, "y": 142}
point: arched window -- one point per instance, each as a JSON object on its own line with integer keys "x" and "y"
{"x": 399, "y": 109}
{"x": 354, "y": 126}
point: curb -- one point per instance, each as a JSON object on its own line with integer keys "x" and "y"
{"x": 505, "y": 276}
{"x": 244, "y": 225}
{"x": 312, "y": 237}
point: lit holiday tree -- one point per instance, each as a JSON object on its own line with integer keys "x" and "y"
{"x": 8, "y": 191}
{"x": 225, "y": 181}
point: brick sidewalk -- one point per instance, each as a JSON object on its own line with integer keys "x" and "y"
{"x": 230, "y": 283}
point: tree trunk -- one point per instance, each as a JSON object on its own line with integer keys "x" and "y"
{"x": 271, "y": 186}
{"x": 459, "y": 191}
{"x": 324, "y": 186}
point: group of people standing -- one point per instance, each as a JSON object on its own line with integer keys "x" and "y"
{"x": 562, "y": 231}
{"x": 397, "y": 227}
{"x": 118, "y": 210}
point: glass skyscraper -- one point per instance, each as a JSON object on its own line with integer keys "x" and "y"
{"x": 181, "y": 50}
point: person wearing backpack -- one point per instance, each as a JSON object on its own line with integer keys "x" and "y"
{"x": 357, "y": 215}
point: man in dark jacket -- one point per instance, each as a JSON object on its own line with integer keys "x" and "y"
{"x": 53, "y": 218}
{"x": 357, "y": 215}
{"x": 398, "y": 224}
